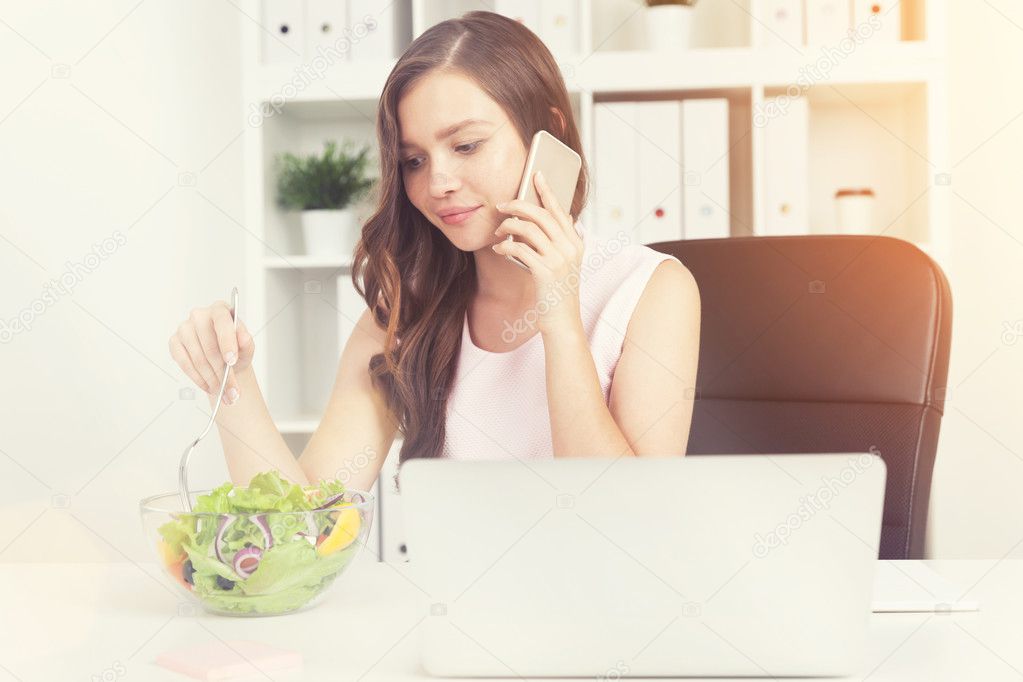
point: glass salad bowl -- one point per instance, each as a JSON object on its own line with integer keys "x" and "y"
{"x": 270, "y": 548}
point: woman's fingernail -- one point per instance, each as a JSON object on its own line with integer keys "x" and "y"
{"x": 539, "y": 175}
{"x": 501, "y": 206}
{"x": 493, "y": 247}
{"x": 232, "y": 395}
{"x": 230, "y": 358}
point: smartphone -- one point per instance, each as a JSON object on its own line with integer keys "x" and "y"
{"x": 560, "y": 165}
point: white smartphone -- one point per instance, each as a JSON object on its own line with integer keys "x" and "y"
{"x": 560, "y": 165}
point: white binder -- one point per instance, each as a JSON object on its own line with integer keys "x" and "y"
{"x": 705, "y": 163}
{"x": 782, "y": 23}
{"x": 374, "y": 28}
{"x": 554, "y": 21}
{"x": 883, "y": 18}
{"x": 283, "y": 41}
{"x": 326, "y": 30}
{"x": 559, "y": 20}
{"x": 786, "y": 168}
{"x": 658, "y": 138}
{"x": 615, "y": 163}
{"x": 526, "y": 12}
{"x": 827, "y": 21}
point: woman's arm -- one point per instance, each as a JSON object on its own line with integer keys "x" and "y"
{"x": 651, "y": 398}
{"x": 349, "y": 444}
{"x": 252, "y": 444}
{"x": 650, "y": 404}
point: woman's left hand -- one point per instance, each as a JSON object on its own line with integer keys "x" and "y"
{"x": 545, "y": 240}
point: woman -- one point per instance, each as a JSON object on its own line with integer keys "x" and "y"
{"x": 464, "y": 352}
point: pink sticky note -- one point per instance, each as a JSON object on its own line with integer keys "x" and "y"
{"x": 227, "y": 659}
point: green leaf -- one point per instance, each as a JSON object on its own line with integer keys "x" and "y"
{"x": 289, "y": 573}
{"x": 333, "y": 180}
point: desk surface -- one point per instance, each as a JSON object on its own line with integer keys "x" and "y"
{"x": 108, "y": 621}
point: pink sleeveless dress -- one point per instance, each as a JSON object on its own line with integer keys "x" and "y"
{"x": 498, "y": 404}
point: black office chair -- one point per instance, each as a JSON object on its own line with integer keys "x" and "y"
{"x": 825, "y": 344}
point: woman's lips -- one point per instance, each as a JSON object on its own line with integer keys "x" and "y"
{"x": 456, "y": 218}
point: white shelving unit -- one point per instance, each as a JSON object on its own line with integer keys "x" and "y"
{"x": 879, "y": 119}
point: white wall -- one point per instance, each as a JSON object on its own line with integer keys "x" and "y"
{"x": 977, "y": 499}
{"x": 150, "y": 94}
{"x": 106, "y": 105}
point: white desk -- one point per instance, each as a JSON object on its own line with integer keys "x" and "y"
{"x": 109, "y": 621}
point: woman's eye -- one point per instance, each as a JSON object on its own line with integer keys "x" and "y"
{"x": 467, "y": 148}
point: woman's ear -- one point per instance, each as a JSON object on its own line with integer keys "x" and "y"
{"x": 561, "y": 121}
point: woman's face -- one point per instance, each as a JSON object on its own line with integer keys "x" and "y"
{"x": 475, "y": 167}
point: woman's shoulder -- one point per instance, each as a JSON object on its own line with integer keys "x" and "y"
{"x": 612, "y": 261}
{"x": 622, "y": 271}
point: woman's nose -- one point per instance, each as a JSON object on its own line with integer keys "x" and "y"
{"x": 442, "y": 182}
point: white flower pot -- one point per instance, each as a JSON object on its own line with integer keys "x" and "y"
{"x": 330, "y": 232}
{"x": 668, "y": 27}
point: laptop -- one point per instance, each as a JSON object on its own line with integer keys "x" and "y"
{"x": 723, "y": 565}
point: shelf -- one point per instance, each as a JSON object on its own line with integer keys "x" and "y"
{"x": 304, "y": 262}
{"x": 360, "y": 83}
{"x": 353, "y": 89}
{"x": 640, "y": 70}
{"x": 879, "y": 132}
{"x": 298, "y": 425}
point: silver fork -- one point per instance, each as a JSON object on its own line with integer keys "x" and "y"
{"x": 186, "y": 498}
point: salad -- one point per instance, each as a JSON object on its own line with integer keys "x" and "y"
{"x": 240, "y": 552}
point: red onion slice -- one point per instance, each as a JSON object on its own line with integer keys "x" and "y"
{"x": 268, "y": 538}
{"x": 246, "y": 561}
{"x": 330, "y": 502}
{"x": 225, "y": 521}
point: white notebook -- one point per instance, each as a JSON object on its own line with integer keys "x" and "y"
{"x": 911, "y": 586}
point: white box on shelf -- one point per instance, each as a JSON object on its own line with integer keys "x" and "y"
{"x": 526, "y": 12}
{"x": 827, "y": 21}
{"x": 786, "y": 166}
{"x": 882, "y": 18}
{"x": 658, "y": 139}
{"x": 326, "y": 24}
{"x": 554, "y": 21}
{"x": 705, "y": 164}
{"x": 374, "y": 26}
{"x": 615, "y": 159}
{"x": 782, "y": 23}
{"x": 559, "y": 22}
{"x": 283, "y": 41}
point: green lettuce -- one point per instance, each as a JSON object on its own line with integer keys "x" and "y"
{"x": 289, "y": 574}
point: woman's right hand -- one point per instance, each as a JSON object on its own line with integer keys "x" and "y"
{"x": 205, "y": 341}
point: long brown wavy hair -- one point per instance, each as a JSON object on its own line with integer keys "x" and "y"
{"x": 416, "y": 282}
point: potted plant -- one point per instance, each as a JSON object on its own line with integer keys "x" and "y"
{"x": 325, "y": 188}
{"x": 669, "y": 24}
